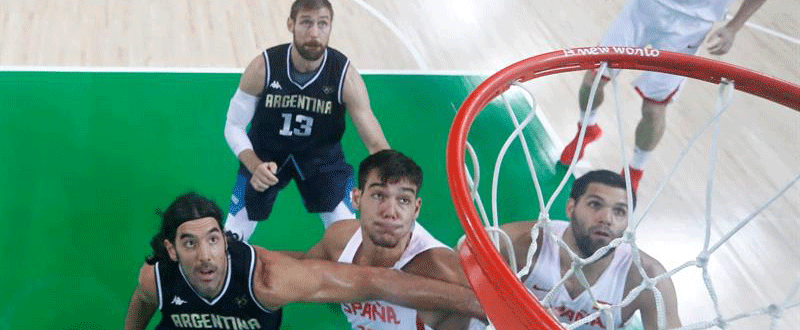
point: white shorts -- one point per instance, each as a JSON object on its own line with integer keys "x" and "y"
{"x": 648, "y": 23}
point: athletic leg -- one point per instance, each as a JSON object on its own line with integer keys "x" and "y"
{"x": 625, "y": 30}
{"x": 678, "y": 34}
{"x": 651, "y": 126}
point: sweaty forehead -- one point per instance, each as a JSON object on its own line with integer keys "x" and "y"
{"x": 608, "y": 193}
{"x": 197, "y": 227}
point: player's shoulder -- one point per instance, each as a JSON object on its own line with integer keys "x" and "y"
{"x": 147, "y": 280}
{"x": 147, "y": 272}
{"x": 518, "y": 229}
{"x": 651, "y": 266}
{"x": 252, "y": 80}
{"x": 435, "y": 255}
{"x": 438, "y": 262}
{"x": 338, "y": 234}
{"x": 341, "y": 231}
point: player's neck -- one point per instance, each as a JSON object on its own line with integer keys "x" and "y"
{"x": 600, "y": 264}
{"x": 303, "y": 65}
{"x": 370, "y": 254}
{"x": 217, "y": 290}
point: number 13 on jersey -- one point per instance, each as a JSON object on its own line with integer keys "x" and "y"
{"x": 304, "y": 123}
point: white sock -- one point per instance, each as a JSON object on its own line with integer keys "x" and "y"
{"x": 639, "y": 158}
{"x": 589, "y": 121}
{"x": 241, "y": 225}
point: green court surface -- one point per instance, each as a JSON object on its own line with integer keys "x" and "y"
{"x": 87, "y": 158}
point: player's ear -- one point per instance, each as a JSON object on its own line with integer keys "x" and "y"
{"x": 171, "y": 250}
{"x": 356, "y": 198}
{"x": 417, "y": 206}
{"x": 570, "y": 207}
{"x": 290, "y": 24}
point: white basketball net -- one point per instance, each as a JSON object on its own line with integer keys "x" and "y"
{"x": 774, "y": 310}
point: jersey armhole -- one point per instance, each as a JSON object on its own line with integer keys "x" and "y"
{"x": 342, "y": 79}
{"x": 250, "y": 279}
{"x": 267, "y": 72}
{"x": 158, "y": 286}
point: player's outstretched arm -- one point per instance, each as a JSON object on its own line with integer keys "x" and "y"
{"x": 143, "y": 302}
{"x": 281, "y": 280}
{"x": 356, "y": 99}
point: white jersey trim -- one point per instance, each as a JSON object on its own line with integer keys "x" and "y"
{"x": 158, "y": 287}
{"x": 341, "y": 80}
{"x": 421, "y": 241}
{"x": 250, "y": 279}
{"x": 289, "y": 67}
{"x": 267, "y": 72}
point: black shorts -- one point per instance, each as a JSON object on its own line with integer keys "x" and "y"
{"x": 324, "y": 180}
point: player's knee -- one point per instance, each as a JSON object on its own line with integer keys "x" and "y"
{"x": 654, "y": 110}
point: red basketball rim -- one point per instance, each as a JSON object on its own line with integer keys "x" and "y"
{"x": 505, "y": 300}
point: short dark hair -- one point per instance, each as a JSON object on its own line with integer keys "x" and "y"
{"x": 309, "y": 5}
{"x": 186, "y": 207}
{"x": 605, "y": 177}
{"x": 392, "y": 166}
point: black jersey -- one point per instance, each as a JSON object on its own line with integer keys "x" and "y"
{"x": 235, "y": 308}
{"x": 294, "y": 118}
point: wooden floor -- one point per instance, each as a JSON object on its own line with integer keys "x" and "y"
{"x": 759, "y": 148}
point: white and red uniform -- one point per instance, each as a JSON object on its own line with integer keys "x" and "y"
{"x": 378, "y": 314}
{"x": 672, "y": 25}
{"x": 608, "y": 289}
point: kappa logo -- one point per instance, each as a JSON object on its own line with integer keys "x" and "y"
{"x": 327, "y": 89}
{"x": 275, "y": 85}
{"x": 178, "y": 301}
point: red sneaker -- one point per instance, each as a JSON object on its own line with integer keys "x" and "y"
{"x": 593, "y": 133}
{"x": 636, "y": 176}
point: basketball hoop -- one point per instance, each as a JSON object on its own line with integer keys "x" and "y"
{"x": 506, "y": 301}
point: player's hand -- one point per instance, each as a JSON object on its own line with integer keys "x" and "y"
{"x": 721, "y": 40}
{"x": 264, "y": 176}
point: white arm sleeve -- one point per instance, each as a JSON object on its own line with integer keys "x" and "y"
{"x": 240, "y": 113}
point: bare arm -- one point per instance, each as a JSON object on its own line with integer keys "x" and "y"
{"x": 333, "y": 241}
{"x": 356, "y": 99}
{"x": 721, "y": 40}
{"x": 143, "y": 302}
{"x": 284, "y": 280}
{"x": 646, "y": 303}
{"x": 441, "y": 264}
{"x": 520, "y": 234}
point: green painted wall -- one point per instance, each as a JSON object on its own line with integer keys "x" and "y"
{"x": 87, "y": 158}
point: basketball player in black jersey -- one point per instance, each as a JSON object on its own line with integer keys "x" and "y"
{"x": 294, "y": 97}
{"x": 200, "y": 278}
